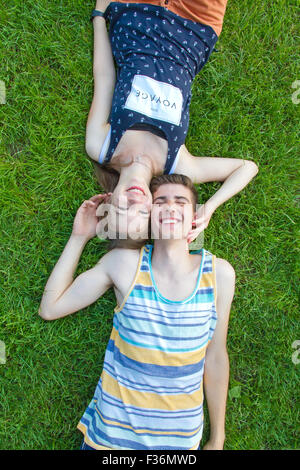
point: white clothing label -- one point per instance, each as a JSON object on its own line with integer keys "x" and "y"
{"x": 157, "y": 100}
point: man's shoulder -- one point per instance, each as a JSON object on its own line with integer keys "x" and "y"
{"x": 121, "y": 265}
{"x": 120, "y": 258}
{"x": 224, "y": 269}
{"x": 225, "y": 278}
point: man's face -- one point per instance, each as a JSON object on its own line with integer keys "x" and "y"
{"x": 172, "y": 212}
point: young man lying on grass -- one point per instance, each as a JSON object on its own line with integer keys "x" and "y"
{"x": 169, "y": 328}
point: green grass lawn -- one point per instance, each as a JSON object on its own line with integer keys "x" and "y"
{"x": 242, "y": 107}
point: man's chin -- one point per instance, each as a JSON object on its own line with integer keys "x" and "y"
{"x": 171, "y": 236}
{"x": 138, "y": 237}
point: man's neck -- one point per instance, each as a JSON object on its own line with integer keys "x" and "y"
{"x": 171, "y": 256}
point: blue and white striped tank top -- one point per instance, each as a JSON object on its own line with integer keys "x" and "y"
{"x": 150, "y": 393}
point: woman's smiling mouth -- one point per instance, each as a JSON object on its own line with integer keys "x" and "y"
{"x": 136, "y": 190}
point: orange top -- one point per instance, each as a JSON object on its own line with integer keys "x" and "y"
{"x": 210, "y": 12}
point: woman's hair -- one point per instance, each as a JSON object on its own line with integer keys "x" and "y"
{"x": 106, "y": 176}
{"x": 158, "y": 181}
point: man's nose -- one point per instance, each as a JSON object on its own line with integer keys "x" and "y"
{"x": 171, "y": 204}
{"x": 169, "y": 208}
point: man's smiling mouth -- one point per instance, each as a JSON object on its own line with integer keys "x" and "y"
{"x": 170, "y": 220}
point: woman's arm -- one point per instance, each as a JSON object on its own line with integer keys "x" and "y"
{"x": 233, "y": 172}
{"x": 104, "y": 84}
{"x": 63, "y": 295}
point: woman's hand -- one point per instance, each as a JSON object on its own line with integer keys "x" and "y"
{"x": 101, "y": 5}
{"x": 86, "y": 220}
{"x": 201, "y": 221}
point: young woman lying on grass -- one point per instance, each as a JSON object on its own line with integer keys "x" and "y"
{"x": 138, "y": 122}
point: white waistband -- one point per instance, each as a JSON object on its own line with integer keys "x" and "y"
{"x": 105, "y": 147}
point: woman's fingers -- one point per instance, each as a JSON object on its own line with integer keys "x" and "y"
{"x": 94, "y": 201}
{"x": 88, "y": 204}
{"x": 98, "y": 197}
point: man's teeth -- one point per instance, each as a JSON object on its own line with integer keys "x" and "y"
{"x": 170, "y": 221}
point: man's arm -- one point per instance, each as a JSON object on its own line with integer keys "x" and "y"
{"x": 63, "y": 295}
{"x": 216, "y": 370}
{"x": 104, "y": 84}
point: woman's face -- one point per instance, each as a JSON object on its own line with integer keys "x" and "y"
{"x": 127, "y": 213}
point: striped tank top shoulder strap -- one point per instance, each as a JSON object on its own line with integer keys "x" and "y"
{"x": 143, "y": 277}
{"x": 208, "y": 278}
{"x": 140, "y": 277}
